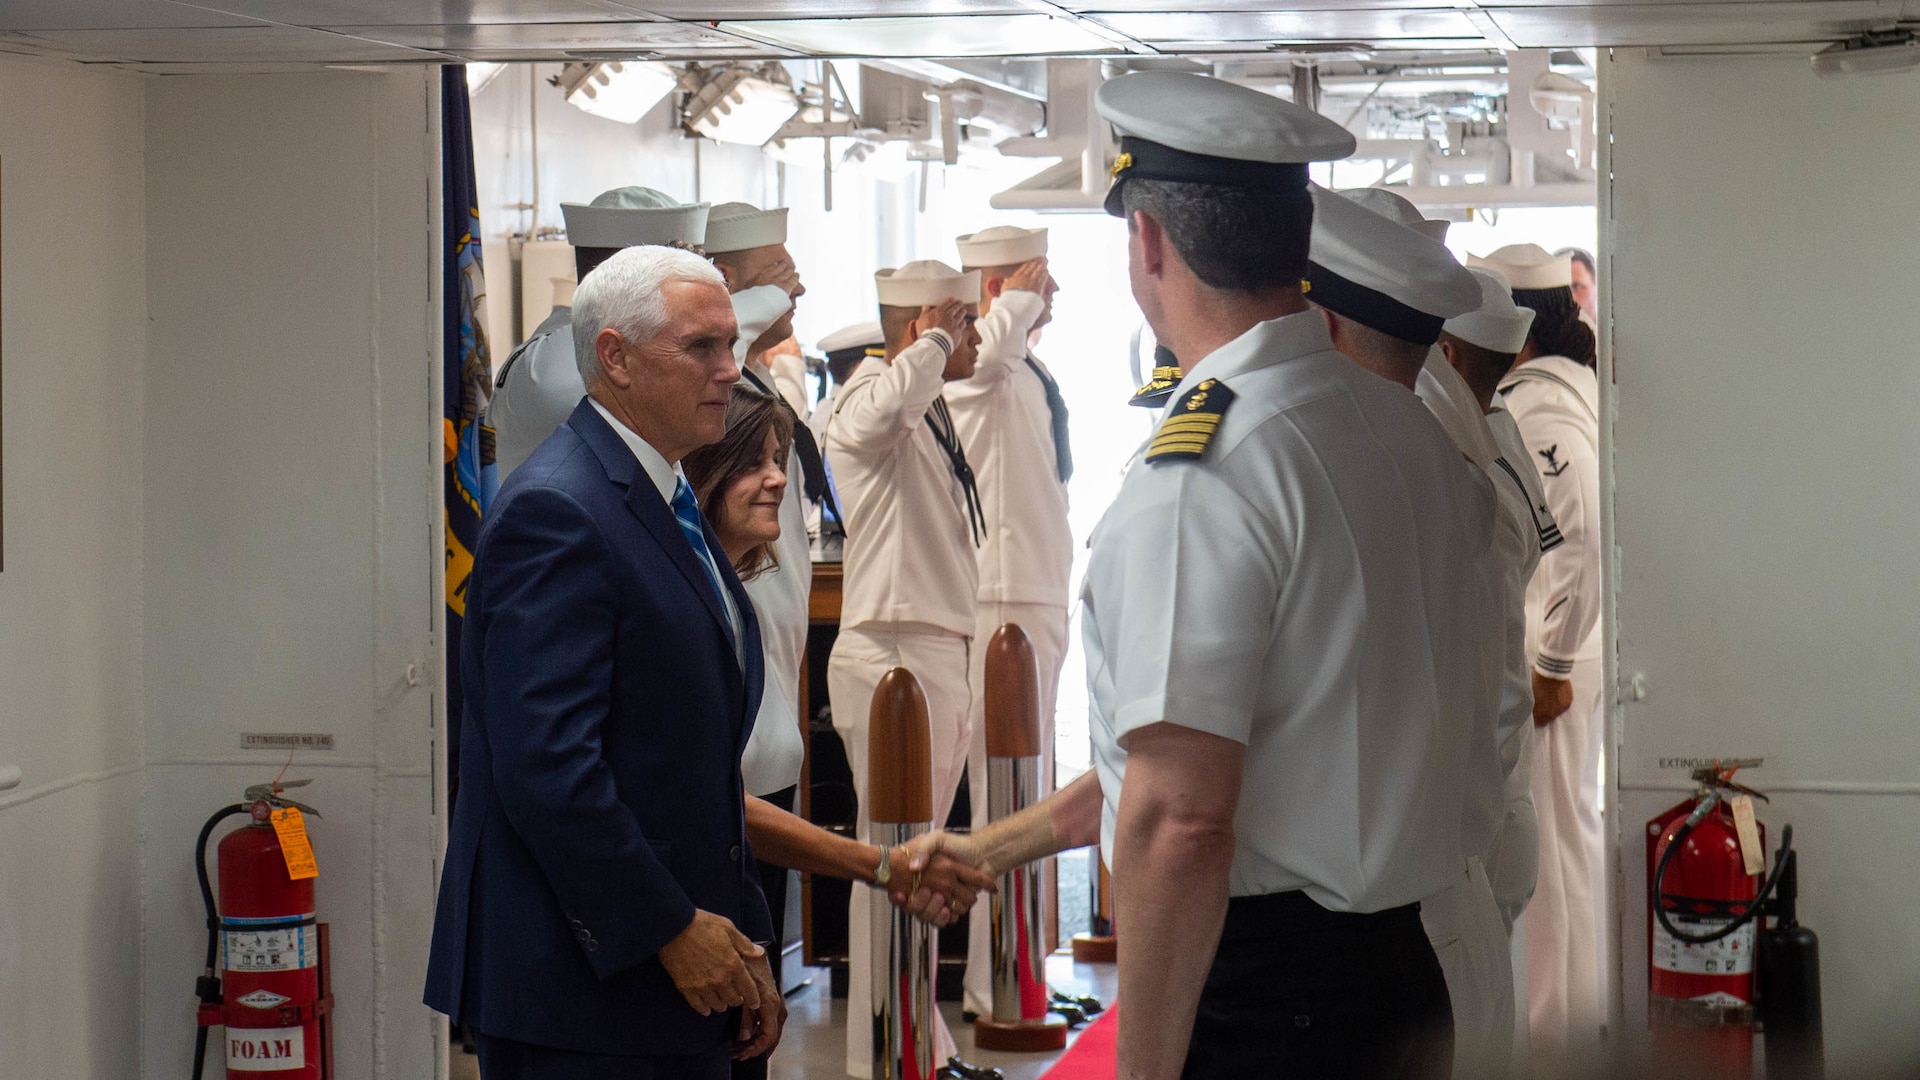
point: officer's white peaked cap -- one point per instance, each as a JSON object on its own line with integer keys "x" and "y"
{"x": 865, "y": 335}
{"x": 1001, "y": 245}
{"x": 1528, "y": 266}
{"x": 1181, "y": 126}
{"x": 1381, "y": 274}
{"x": 738, "y": 226}
{"x": 1393, "y": 205}
{"x": 1497, "y": 324}
{"x": 928, "y": 281}
{"x": 632, "y": 216}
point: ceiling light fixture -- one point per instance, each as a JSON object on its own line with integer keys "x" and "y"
{"x": 1877, "y": 52}
{"x": 618, "y": 90}
{"x": 743, "y": 105}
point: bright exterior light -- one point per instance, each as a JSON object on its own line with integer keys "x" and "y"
{"x": 480, "y": 73}
{"x": 739, "y": 107}
{"x": 933, "y": 36}
{"x": 624, "y": 91}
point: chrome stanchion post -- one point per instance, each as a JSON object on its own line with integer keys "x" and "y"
{"x": 1020, "y": 1021}
{"x": 900, "y": 787}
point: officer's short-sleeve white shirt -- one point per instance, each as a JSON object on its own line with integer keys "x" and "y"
{"x": 1306, "y": 588}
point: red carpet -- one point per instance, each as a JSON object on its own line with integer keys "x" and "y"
{"x": 1092, "y": 1055}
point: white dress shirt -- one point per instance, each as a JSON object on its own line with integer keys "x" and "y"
{"x": 1004, "y": 424}
{"x": 909, "y": 551}
{"x": 1305, "y": 588}
{"x": 1556, "y": 403}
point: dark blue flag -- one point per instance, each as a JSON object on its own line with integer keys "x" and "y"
{"x": 469, "y": 476}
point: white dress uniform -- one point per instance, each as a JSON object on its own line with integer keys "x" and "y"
{"x": 1227, "y": 595}
{"x": 1463, "y": 921}
{"x": 910, "y": 587}
{"x": 1026, "y": 559}
{"x": 1485, "y": 947}
{"x": 540, "y": 384}
{"x": 1555, "y": 403}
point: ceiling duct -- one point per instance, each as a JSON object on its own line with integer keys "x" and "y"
{"x": 1076, "y": 135}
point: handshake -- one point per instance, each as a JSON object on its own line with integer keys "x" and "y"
{"x": 938, "y": 877}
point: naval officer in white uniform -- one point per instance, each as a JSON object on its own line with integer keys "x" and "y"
{"x": 1553, "y": 394}
{"x": 1013, "y": 421}
{"x": 1386, "y": 282}
{"x": 539, "y": 385}
{"x": 913, "y": 523}
{"x": 1280, "y": 631}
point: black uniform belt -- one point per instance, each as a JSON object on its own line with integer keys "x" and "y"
{"x": 1294, "y": 911}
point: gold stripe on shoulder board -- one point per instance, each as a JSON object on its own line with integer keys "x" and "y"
{"x": 1190, "y": 425}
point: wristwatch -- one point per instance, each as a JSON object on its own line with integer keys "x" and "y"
{"x": 884, "y": 873}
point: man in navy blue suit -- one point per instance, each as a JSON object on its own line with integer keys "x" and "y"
{"x": 599, "y": 907}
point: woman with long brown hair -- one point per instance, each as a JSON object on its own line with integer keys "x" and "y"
{"x": 739, "y": 482}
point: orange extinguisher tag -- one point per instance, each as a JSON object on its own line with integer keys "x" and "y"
{"x": 291, "y": 827}
{"x": 1751, "y": 854}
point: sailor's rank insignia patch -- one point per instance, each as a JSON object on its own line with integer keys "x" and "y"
{"x": 1188, "y": 429}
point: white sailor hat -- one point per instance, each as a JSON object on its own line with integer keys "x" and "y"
{"x": 1497, "y": 324}
{"x": 737, "y": 226}
{"x": 632, "y": 216}
{"x": 1393, "y": 205}
{"x": 860, "y": 339}
{"x": 1001, "y": 245}
{"x": 928, "y": 281}
{"x": 1528, "y": 266}
{"x": 1177, "y": 125}
{"x": 1382, "y": 274}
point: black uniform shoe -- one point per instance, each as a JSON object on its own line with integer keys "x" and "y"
{"x": 1088, "y": 1004}
{"x": 1070, "y": 1013}
{"x": 956, "y": 1069}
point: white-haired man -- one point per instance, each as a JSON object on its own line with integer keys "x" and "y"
{"x": 600, "y": 905}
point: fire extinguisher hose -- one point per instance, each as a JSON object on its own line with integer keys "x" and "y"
{"x": 208, "y": 986}
{"x": 1741, "y": 919}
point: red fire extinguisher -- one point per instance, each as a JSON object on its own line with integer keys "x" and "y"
{"x": 270, "y": 989}
{"x": 1705, "y": 937}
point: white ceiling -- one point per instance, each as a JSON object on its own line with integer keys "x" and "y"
{"x": 164, "y": 35}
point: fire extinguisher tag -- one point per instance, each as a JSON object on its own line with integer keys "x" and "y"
{"x": 1751, "y": 854}
{"x": 294, "y": 846}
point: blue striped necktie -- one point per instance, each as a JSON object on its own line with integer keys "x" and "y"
{"x": 687, "y": 513}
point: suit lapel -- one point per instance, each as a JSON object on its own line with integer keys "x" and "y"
{"x": 644, "y": 502}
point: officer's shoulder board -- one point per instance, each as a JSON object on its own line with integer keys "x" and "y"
{"x": 1188, "y": 429}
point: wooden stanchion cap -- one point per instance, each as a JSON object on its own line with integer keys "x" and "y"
{"x": 1013, "y": 695}
{"x": 899, "y": 752}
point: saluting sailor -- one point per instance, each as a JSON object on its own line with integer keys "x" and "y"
{"x": 1465, "y": 923}
{"x": 845, "y": 349}
{"x": 1012, "y": 420}
{"x": 913, "y": 523}
{"x": 748, "y": 245}
{"x": 1280, "y": 628}
{"x": 539, "y": 385}
{"x": 1554, "y": 394}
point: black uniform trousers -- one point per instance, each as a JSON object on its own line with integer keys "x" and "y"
{"x": 508, "y": 1059}
{"x": 1299, "y": 991}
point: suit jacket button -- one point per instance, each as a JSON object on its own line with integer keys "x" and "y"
{"x": 734, "y": 853}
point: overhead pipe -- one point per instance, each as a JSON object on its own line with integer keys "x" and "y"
{"x": 1076, "y": 134}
